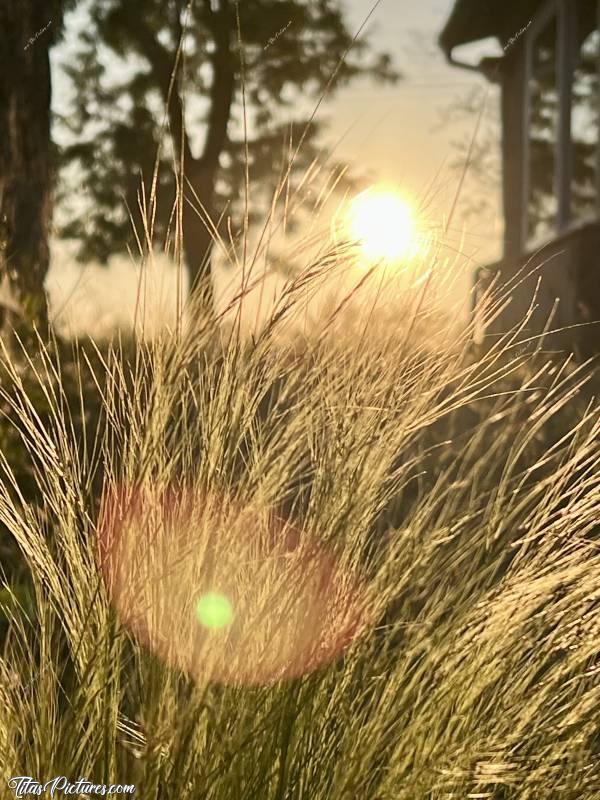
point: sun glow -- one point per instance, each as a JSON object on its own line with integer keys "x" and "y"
{"x": 383, "y": 223}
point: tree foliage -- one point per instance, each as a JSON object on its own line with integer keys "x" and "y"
{"x": 188, "y": 99}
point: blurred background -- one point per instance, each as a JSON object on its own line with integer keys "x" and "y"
{"x": 412, "y": 135}
{"x": 227, "y": 146}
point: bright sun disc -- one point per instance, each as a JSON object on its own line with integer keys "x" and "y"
{"x": 383, "y": 224}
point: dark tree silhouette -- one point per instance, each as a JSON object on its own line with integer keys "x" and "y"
{"x": 28, "y": 29}
{"x": 292, "y": 50}
{"x": 24, "y": 154}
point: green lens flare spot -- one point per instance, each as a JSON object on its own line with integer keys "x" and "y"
{"x": 214, "y": 611}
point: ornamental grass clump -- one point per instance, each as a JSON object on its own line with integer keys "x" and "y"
{"x": 353, "y": 560}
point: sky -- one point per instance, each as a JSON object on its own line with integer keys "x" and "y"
{"x": 403, "y": 119}
{"x": 404, "y": 135}
{"x": 402, "y": 132}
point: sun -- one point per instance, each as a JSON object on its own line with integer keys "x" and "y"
{"x": 383, "y": 223}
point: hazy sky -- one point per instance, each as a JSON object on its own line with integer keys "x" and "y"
{"x": 397, "y": 134}
{"x": 400, "y": 132}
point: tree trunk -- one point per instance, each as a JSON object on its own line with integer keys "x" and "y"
{"x": 25, "y": 155}
{"x": 201, "y": 173}
{"x": 198, "y": 235}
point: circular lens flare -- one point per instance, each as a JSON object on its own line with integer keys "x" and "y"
{"x": 226, "y": 592}
{"x": 383, "y": 224}
{"x": 214, "y": 611}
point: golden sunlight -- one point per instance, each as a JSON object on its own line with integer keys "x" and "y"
{"x": 384, "y": 225}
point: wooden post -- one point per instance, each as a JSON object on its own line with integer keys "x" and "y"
{"x": 564, "y": 149}
{"x": 513, "y": 100}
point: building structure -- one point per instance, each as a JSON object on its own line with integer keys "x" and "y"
{"x": 549, "y": 77}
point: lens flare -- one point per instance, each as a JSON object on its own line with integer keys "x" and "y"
{"x": 225, "y": 592}
{"x": 214, "y": 611}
